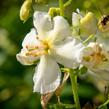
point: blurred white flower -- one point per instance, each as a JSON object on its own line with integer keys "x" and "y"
{"x": 103, "y": 38}
{"x": 96, "y": 59}
{"x": 51, "y": 44}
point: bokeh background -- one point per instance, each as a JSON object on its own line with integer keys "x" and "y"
{"x": 15, "y": 79}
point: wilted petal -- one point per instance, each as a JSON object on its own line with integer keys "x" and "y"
{"x": 45, "y": 99}
{"x": 42, "y": 22}
{"x": 26, "y": 60}
{"x": 47, "y": 76}
{"x": 68, "y": 54}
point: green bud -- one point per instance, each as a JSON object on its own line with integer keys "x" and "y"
{"x": 53, "y": 11}
{"x": 83, "y": 70}
{"x": 89, "y": 23}
{"x": 25, "y": 10}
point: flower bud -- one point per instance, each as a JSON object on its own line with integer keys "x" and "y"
{"x": 89, "y": 23}
{"x": 54, "y": 11}
{"x": 25, "y": 10}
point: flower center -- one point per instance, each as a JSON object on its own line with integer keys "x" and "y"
{"x": 42, "y": 48}
{"x": 96, "y": 57}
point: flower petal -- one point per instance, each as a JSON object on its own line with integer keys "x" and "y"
{"x": 56, "y": 29}
{"x": 30, "y": 40}
{"x": 61, "y": 29}
{"x": 42, "y": 22}
{"x": 85, "y": 57}
{"x": 47, "y": 76}
{"x": 68, "y": 54}
{"x": 76, "y": 19}
{"x": 102, "y": 70}
{"x": 26, "y": 60}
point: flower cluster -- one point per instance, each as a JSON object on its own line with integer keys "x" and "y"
{"x": 54, "y": 45}
{"x": 53, "y": 42}
{"x": 95, "y": 55}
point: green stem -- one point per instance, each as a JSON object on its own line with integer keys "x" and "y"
{"x": 73, "y": 78}
{"x": 88, "y": 39}
{"x": 107, "y": 102}
{"x": 61, "y": 5}
{"x": 67, "y": 3}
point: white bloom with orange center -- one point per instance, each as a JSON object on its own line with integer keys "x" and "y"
{"x": 96, "y": 59}
{"x": 52, "y": 45}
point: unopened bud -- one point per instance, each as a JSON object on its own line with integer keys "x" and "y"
{"x": 89, "y": 23}
{"x": 25, "y": 10}
{"x": 53, "y": 11}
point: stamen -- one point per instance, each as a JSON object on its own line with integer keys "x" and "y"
{"x": 37, "y": 53}
{"x": 97, "y": 57}
{"x": 41, "y": 48}
{"x": 97, "y": 49}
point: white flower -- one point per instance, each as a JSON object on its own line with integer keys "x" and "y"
{"x": 96, "y": 59}
{"x": 52, "y": 45}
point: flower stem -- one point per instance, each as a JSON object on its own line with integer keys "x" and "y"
{"x": 67, "y": 3}
{"x": 88, "y": 39}
{"x": 61, "y": 5}
{"x": 107, "y": 102}
{"x": 73, "y": 78}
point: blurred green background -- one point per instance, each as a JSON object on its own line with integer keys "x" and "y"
{"x": 16, "y": 80}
